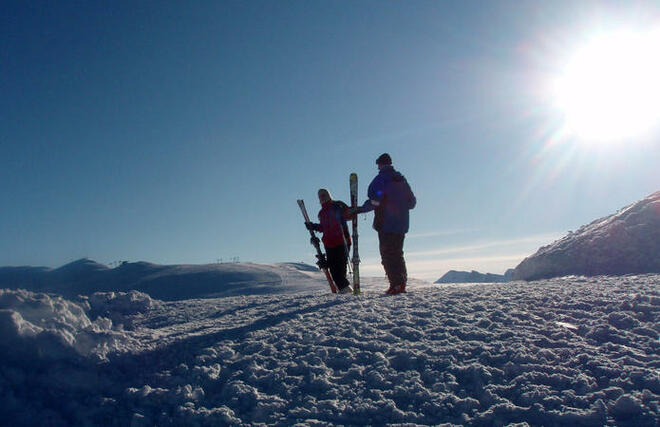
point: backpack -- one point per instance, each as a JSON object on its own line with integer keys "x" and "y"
{"x": 396, "y": 203}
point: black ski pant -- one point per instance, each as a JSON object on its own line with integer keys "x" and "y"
{"x": 391, "y": 254}
{"x": 337, "y": 261}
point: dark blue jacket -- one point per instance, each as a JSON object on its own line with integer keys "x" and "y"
{"x": 391, "y": 197}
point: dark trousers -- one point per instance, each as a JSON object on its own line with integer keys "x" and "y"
{"x": 337, "y": 261}
{"x": 391, "y": 254}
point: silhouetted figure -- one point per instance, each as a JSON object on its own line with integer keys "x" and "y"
{"x": 391, "y": 198}
{"x": 336, "y": 238}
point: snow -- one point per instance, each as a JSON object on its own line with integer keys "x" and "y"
{"x": 564, "y": 351}
{"x": 453, "y": 276}
{"x": 626, "y": 242}
{"x": 166, "y": 282}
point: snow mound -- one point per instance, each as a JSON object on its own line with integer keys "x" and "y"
{"x": 566, "y": 351}
{"x": 122, "y": 308}
{"x": 124, "y": 303}
{"x": 627, "y": 242}
{"x": 50, "y": 327}
{"x": 80, "y": 267}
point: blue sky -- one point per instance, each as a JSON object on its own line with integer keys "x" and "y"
{"x": 184, "y": 132}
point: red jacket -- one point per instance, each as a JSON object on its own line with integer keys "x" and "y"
{"x": 333, "y": 216}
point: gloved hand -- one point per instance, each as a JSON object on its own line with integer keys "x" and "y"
{"x": 310, "y": 226}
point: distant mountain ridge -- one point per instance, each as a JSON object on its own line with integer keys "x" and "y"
{"x": 453, "y": 276}
{"x": 165, "y": 282}
{"x": 626, "y": 242}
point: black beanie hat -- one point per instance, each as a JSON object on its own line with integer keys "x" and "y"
{"x": 384, "y": 159}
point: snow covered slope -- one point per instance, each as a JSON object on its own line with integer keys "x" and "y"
{"x": 570, "y": 351}
{"x": 453, "y": 276}
{"x": 166, "y": 282}
{"x": 627, "y": 242}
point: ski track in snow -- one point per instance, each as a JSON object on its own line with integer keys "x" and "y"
{"x": 567, "y": 351}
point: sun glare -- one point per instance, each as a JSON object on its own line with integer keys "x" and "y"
{"x": 610, "y": 89}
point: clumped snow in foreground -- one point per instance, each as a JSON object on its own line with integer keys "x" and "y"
{"x": 569, "y": 351}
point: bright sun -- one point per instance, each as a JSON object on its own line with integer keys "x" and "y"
{"x": 610, "y": 89}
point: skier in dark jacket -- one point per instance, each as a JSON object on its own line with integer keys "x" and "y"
{"x": 336, "y": 238}
{"x": 391, "y": 198}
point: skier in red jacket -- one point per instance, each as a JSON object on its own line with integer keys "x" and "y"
{"x": 336, "y": 238}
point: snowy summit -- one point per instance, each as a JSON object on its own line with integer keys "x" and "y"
{"x": 627, "y": 242}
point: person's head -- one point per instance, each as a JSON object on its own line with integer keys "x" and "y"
{"x": 383, "y": 160}
{"x": 324, "y": 196}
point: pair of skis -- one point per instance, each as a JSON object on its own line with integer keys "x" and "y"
{"x": 320, "y": 256}
{"x": 322, "y": 262}
{"x": 356, "y": 258}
